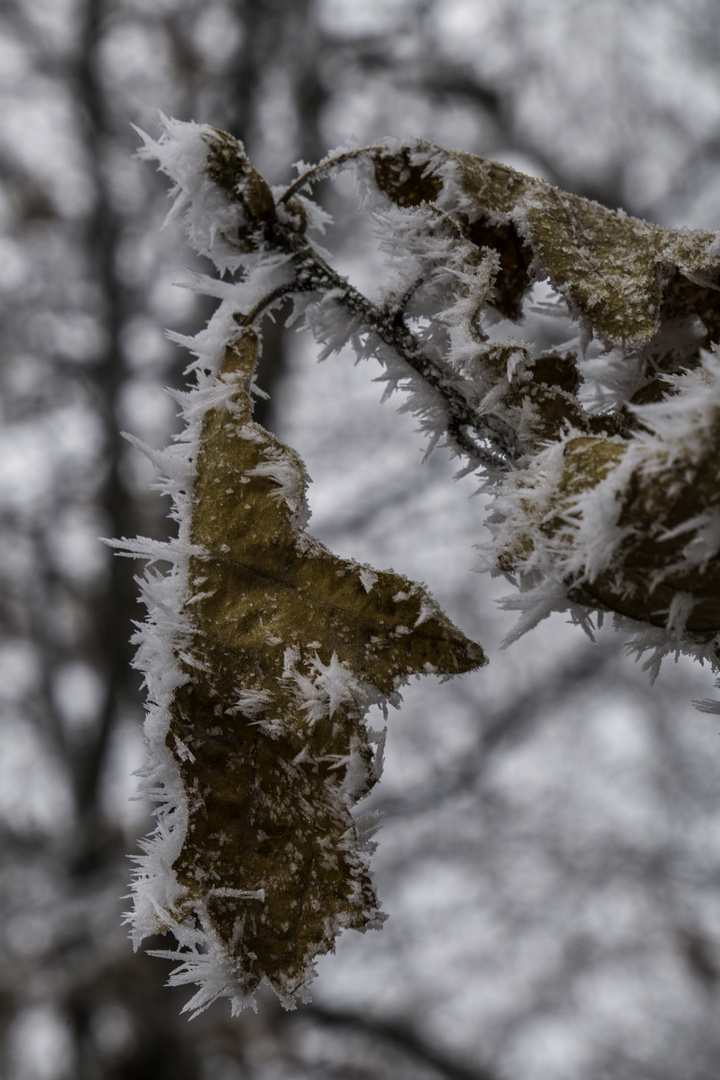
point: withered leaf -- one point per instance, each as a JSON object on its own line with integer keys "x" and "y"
{"x": 291, "y": 645}
{"x": 656, "y": 512}
{"x": 626, "y": 278}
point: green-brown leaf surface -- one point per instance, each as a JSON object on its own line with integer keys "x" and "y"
{"x": 629, "y": 279}
{"x": 291, "y": 645}
{"x": 657, "y": 515}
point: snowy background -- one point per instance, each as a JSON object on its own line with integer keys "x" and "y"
{"x": 550, "y": 858}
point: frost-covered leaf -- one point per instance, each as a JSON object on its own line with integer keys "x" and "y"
{"x": 628, "y": 526}
{"x": 616, "y": 508}
{"x": 627, "y": 279}
{"x": 286, "y": 648}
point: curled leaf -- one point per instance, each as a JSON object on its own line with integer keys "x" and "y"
{"x": 630, "y": 526}
{"x": 614, "y": 505}
{"x": 628, "y": 279}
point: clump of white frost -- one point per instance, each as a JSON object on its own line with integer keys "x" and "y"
{"x": 203, "y": 208}
{"x": 439, "y": 275}
{"x": 325, "y": 688}
{"x": 333, "y": 325}
{"x": 290, "y": 482}
{"x": 207, "y": 964}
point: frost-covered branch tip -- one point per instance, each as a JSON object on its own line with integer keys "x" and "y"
{"x": 445, "y": 398}
{"x": 262, "y": 651}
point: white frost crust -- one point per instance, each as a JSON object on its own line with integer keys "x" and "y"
{"x": 163, "y": 639}
{"x": 430, "y": 262}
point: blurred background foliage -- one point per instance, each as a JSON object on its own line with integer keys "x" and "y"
{"x": 551, "y": 854}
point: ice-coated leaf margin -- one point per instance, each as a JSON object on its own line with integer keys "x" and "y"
{"x": 261, "y": 653}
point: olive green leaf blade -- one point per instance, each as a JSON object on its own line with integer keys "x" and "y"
{"x": 291, "y": 645}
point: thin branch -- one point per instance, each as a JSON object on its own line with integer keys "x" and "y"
{"x": 247, "y": 319}
{"x": 323, "y": 168}
{"x": 473, "y": 433}
{"x": 485, "y": 438}
{"x": 102, "y": 232}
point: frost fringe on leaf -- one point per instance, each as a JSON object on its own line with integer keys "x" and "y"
{"x": 262, "y": 654}
{"x": 262, "y": 651}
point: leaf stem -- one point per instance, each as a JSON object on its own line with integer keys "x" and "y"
{"x": 317, "y": 172}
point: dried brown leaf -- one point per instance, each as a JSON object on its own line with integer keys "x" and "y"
{"x": 292, "y": 644}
